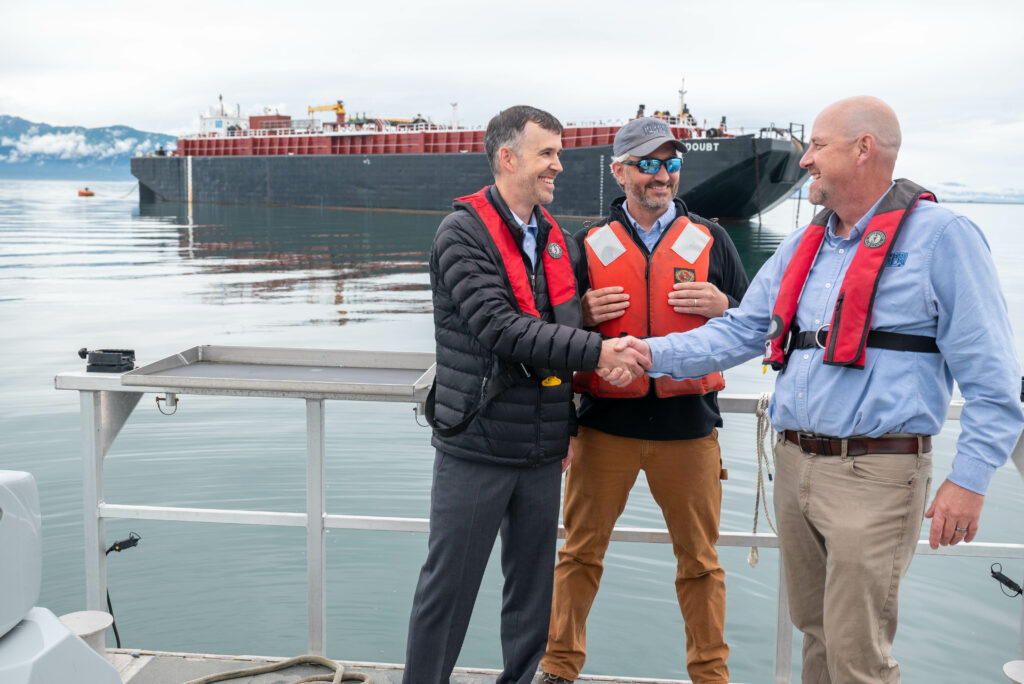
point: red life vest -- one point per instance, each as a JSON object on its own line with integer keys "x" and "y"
{"x": 557, "y": 265}
{"x": 648, "y": 285}
{"x": 851, "y": 318}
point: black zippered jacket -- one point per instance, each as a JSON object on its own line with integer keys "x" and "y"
{"x": 670, "y": 418}
{"x": 478, "y": 328}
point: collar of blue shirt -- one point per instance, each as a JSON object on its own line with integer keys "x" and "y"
{"x": 858, "y": 228}
{"x": 529, "y": 236}
{"x": 650, "y": 237}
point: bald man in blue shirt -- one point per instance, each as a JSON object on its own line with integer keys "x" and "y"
{"x": 870, "y": 313}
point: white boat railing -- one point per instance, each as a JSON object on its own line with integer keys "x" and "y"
{"x": 106, "y": 401}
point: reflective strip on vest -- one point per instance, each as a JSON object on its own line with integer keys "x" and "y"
{"x": 851, "y": 318}
{"x": 682, "y": 255}
{"x": 555, "y": 258}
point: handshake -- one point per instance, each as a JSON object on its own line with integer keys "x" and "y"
{"x": 623, "y": 360}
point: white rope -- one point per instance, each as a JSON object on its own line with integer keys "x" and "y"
{"x": 764, "y": 463}
{"x": 338, "y": 672}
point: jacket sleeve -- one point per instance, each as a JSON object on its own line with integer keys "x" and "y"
{"x": 477, "y": 288}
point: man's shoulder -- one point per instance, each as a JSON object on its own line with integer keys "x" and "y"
{"x": 457, "y": 226}
{"x": 932, "y": 218}
{"x": 795, "y": 237}
{"x": 935, "y": 224}
{"x": 589, "y": 227}
{"x": 935, "y": 212}
{"x": 717, "y": 231}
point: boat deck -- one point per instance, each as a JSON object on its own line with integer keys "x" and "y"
{"x": 107, "y": 400}
{"x": 159, "y": 667}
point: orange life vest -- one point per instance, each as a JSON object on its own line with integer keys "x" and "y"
{"x": 648, "y": 285}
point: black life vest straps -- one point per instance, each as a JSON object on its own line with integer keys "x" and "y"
{"x": 880, "y": 339}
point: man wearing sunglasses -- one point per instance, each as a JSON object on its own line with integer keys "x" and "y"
{"x": 652, "y": 268}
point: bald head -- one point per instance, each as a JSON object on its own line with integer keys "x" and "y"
{"x": 851, "y": 157}
{"x": 866, "y": 115}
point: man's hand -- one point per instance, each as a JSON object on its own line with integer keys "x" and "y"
{"x": 955, "y": 513}
{"x": 618, "y": 372}
{"x": 703, "y": 299}
{"x": 620, "y": 362}
{"x": 603, "y": 304}
{"x": 568, "y": 457}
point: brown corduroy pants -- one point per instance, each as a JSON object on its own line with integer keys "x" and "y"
{"x": 684, "y": 477}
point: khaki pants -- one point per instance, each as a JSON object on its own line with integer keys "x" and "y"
{"x": 848, "y": 527}
{"x": 684, "y": 477}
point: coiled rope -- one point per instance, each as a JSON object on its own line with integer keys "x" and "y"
{"x": 764, "y": 464}
{"x": 338, "y": 676}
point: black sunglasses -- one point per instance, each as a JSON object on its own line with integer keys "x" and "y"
{"x": 652, "y": 166}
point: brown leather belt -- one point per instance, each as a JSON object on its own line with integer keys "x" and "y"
{"x": 819, "y": 445}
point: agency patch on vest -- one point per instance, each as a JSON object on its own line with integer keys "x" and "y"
{"x": 875, "y": 238}
{"x": 685, "y": 275}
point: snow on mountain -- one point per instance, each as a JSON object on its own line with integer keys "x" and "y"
{"x": 39, "y": 150}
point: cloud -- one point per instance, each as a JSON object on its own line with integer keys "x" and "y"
{"x": 70, "y": 146}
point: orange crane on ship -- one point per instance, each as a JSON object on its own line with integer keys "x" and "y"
{"x": 339, "y": 111}
{"x": 338, "y": 108}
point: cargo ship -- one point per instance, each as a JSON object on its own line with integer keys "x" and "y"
{"x": 415, "y": 164}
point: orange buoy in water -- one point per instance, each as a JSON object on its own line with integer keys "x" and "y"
{"x": 86, "y": 192}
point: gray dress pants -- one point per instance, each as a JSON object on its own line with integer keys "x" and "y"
{"x": 470, "y": 502}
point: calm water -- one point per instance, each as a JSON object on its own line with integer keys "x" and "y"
{"x": 103, "y": 272}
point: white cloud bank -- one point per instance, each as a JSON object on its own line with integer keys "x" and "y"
{"x": 69, "y": 146}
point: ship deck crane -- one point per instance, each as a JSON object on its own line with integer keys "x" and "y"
{"x": 338, "y": 108}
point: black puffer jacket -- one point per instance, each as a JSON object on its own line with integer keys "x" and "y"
{"x": 477, "y": 323}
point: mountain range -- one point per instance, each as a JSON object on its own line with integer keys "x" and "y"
{"x": 39, "y": 150}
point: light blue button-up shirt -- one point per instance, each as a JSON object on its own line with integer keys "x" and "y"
{"x": 940, "y": 281}
{"x": 650, "y": 237}
{"x": 529, "y": 237}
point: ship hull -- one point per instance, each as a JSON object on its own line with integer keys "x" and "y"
{"x": 727, "y": 178}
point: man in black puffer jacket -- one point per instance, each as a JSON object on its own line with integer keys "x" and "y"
{"x": 507, "y": 320}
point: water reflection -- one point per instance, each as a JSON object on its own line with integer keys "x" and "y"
{"x": 363, "y": 263}
{"x": 268, "y": 238}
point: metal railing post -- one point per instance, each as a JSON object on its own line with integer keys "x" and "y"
{"x": 92, "y": 495}
{"x": 783, "y": 633}
{"x": 315, "y": 553}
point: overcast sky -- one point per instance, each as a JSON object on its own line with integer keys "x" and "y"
{"x": 951, "y": 69}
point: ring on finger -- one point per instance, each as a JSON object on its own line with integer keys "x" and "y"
{"x": 961, "y": 530}
{"x": 695, "y": 301}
